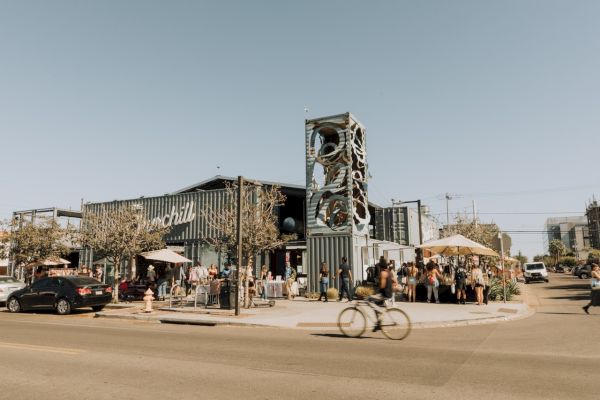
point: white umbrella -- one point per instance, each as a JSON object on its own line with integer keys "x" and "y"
{"x": 165, "y": 255}
{"x": 457, "y": 245}
{"x": 49, "y": 262}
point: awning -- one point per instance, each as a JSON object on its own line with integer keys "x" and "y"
{"x": 165, "y": 255}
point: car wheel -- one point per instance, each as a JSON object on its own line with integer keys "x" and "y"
{"x": 13, "y": 305}
{"x": 526, "y": 281}
{"x": 584, "y": 276}
{"x": 547, "y": 280}
{"x": 97, "y": 308}
{"x": 63, "y": 307}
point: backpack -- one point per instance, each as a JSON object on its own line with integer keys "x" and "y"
{"x": 431, "y": 279}
{"x": 460, "y": 275}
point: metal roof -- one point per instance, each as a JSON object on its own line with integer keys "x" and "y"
{"x": 199, "y": 185}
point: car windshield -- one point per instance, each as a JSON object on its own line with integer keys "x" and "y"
{"x": 83, "y": 281}
{"x": 8, "y": 279}
{"x": 534, "y": 266}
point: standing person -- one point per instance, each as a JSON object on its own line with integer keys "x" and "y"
{"x": 477, "y": 283}
{"x": 151, "y": 274}
{"x": 324, "y": 280}
{"x": 264, "y": 276}
{"x": 433, "y": 282}
{"x": 595, "y": 293}
{"x": 460, "y": 278}
{"x": 162, "y": 285}
{"x": 411, "y": 282}
{"x": 345, "y": 275}
{"x": 290, "y": 277}
{"x": 186, "y": 279}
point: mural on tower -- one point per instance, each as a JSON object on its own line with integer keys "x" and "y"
{"x": 336, "y": 176}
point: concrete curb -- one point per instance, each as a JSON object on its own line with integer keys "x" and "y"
{"x": 176, "y": 319}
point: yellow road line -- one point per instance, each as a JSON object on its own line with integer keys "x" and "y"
{"x": 47, "y": 349}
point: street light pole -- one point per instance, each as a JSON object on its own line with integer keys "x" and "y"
{"x": 502, "y": 264}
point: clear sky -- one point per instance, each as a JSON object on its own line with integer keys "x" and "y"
{"x": 497, "y": 101}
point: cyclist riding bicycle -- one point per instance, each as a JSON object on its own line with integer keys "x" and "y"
{"x": 385, "y": 292}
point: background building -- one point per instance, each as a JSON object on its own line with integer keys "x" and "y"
{"x": 592, "y": 213}
{"x": 572, "y": 231}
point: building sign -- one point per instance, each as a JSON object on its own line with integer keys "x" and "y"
{"x": 184, "y": 215}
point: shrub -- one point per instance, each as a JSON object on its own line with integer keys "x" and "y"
{"x": 497, "y": 291}
{"x": 568, "y": 261}
{"x": 332, "y": 294}
{"x": 362, "y": 292}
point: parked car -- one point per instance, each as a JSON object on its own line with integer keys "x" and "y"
{"x": 535, "y": 271}
{"x": 584, "y": 272}
{"x": 8, "y": 284}
{"x": 575, "y": 269}
{"x": 559, "y": 269}
{"x": 63, "y": 294}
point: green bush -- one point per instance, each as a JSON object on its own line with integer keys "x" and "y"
{"x": 568, "y": 261}
{"x": 497, "y": 291}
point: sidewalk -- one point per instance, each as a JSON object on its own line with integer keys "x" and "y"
{"x": 314, "y": 315}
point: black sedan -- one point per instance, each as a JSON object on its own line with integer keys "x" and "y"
{"x": 62, "y": 294}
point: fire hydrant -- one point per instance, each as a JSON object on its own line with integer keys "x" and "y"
{"x": 148, "y": 298}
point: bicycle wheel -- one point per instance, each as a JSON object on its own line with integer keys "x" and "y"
{"x": 352, "y": 322}
{"x": 395, "y": 324}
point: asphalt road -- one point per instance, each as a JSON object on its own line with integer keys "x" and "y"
{"x": 554, "y": 354}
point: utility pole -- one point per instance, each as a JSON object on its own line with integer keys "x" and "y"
{"x": 239, "y": 244}
{"x": 474, "y": 214}
{"x": 502, "y": 264}
{"x": 448, "y": 198}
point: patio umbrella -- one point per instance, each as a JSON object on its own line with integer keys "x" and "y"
{"x": 49, "y": 262}
{"x": 165, "y": 255}
{"x": 457, "y": 245}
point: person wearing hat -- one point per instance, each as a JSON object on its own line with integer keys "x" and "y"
{"x": 151, "y": 274}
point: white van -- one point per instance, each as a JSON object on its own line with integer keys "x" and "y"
{"x": 535, "y": 271}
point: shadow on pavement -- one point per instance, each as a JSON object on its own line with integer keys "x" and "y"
{"x": 574, "y": 297}
{"x": 574, "y": 286}
{"x": 339, "y": 335}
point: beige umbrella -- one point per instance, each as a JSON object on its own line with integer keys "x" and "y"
{"x": 457, "y": 245}
{"x": 165, "y": 255}
{"x": 49, "y": 262}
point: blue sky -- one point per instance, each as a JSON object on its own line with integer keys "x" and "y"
{"x": 495, "y": 101}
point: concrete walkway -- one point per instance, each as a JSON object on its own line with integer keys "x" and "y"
{"x": 314, "y": 315}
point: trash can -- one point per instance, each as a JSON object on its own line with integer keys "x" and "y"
{"x": 226, "y": 295}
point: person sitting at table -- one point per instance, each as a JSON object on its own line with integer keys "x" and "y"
{"x": 226, "y": 273}
{"x": 212, "y": 272}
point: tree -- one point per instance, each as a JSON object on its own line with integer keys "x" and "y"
{"x": 29, "y": 242}
{"x": 120, "y": 234}
{"x": 522, "y": 259}
{"x": 593, "y": 256}
{"x": 260, "y": 225}
{"x": 485, "y": 234}
{"x": 556, "y": 248}
{"x": 538, "y": 258}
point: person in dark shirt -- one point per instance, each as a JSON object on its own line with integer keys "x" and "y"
{"x": 345, "y": 275}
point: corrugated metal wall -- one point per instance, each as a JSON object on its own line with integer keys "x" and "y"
{"x": 330, "y": 249}
{"x": 160, "y": 206}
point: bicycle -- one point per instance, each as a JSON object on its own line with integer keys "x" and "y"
{"x": 393, "y": 322}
